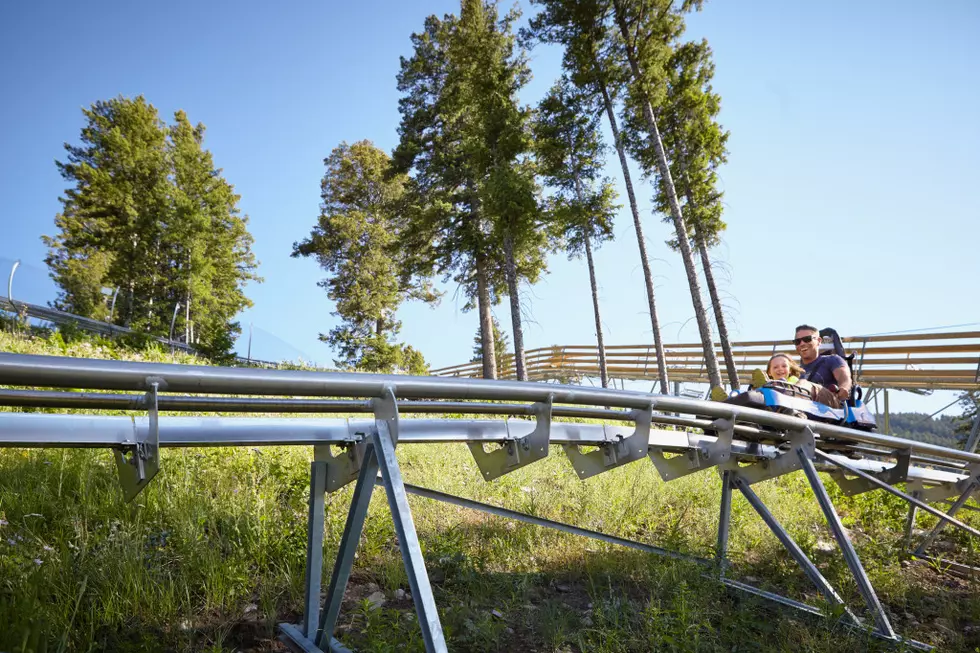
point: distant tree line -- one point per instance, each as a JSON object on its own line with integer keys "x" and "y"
{"x": 944, "y": 430}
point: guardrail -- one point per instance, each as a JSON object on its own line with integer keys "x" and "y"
{"x": 744, "y": 445}
{"x": 938, "y": 361}
{"x": 53, "y": 315}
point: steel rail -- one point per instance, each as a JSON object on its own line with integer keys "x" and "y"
{"x": 54, "y": 399}
{"x": 108, "y": 431}
{"x": 62, "y": 372}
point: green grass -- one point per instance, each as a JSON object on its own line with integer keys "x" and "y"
{"x": 211, "y": 556}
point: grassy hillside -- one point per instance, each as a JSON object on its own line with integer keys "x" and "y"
{"x": 211, "y": 556}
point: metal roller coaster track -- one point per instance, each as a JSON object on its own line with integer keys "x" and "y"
{"x": 680, "y": 436}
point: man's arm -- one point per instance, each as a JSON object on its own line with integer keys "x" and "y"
{"x": 843, "y": 377}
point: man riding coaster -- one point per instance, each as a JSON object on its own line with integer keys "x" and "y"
{"x": 823, "y": 372}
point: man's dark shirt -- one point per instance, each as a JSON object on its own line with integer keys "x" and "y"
{"x": 821, "y": 369}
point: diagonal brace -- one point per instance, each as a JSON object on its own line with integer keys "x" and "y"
{"x": 882, "y": 625}
{"x": 810, "y": 569}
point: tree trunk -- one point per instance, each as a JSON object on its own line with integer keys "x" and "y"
{"x": 510, "y": 271}
{"x": 486, "y": 319}
{"x": 647, "y": 276}
{"x": 603, "y": 371}
{"x": 709, "y": 279}
{"x": 711, "y": 363}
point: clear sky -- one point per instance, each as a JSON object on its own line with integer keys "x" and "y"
{"x": 850, "y": 189}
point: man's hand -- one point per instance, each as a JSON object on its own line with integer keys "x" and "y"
{"x": 843, "y": 393}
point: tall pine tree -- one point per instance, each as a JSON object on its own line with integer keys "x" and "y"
{"x": 569, "y": 151}
{"x": 149, "y": 214}
{"x": 487, "y": 71}
{"x": 473, "y": 207}
{"x": 647, "y": 34}
{"x": 356, "y": 241}
{"x": 581, "y": 27}
{"x": 207, "y": 244}
{"x": 696, "y": 146}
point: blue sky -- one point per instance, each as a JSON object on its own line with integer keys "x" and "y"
{"x": 850, "y": 189}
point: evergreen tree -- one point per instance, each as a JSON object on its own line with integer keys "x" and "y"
{"x": 149, "y": 214}
{"x": 581, "y": 27}
{"x": 487, "y": 71}
{"x": 569, "y": 151}
{"x": 471, "y": 195}
{"x": 356, "y": 241}
{"x": 501, "y": 343}
{"x": 448, "y": 232}
{"x": 647, "y": 34}
{"x": 695, "y": 144}
{"x": 113, "y": 213}
{"x": 207, "y": 246}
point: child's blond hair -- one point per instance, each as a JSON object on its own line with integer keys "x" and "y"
{"x": 794, "y": 368}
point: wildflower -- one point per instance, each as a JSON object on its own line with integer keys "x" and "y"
{"x": 11, "y": 541}
{"x": 3, "y": 522}
{"x": 48, "y": 548}
{"x": 38, "y": 561}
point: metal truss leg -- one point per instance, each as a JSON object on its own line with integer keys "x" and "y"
{"x": 791, "y": 546}
{"x": 942, "y": 522}
{"x": 724, "y": 522}
{"x": 314, "y": 549}
{"x": 882, "y": 624}
{"x": 418, "y": 578}
{"x": 348, "y": 546}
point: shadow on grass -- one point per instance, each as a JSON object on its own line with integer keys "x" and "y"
{"x": 606, "y": 598}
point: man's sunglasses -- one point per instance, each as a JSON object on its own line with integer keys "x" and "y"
{"x": 797, "y": 341}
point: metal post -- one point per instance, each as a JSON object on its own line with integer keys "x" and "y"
{"x": 850, "y": 555}
{"x": 314, "y": 548}
{"x": 173, "y": 321}
{"x": 10, "y": 281}
{"x": 112, "y": 305}
{"x": 791, "y": 546}
{"x": 248, "y": 357}
{"x": 970, "y": 487}
{"x": 888, "y": 421}
{"x": 724, "y": 521}
{"x": 348, "y": 546}
{"x": 971, "y": 442}
{"x": 418, "y": 578}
